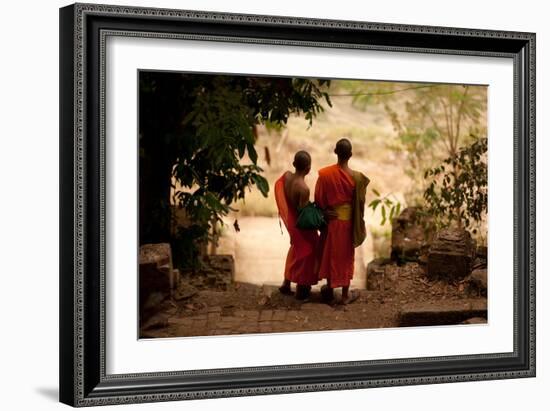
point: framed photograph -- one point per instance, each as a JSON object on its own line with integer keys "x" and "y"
{"x": 262, "y": 204}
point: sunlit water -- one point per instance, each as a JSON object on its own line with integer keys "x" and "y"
{"x": 260, "y": 250}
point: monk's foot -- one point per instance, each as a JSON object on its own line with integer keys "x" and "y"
{"x": 352, "y": 296}
{"x": 285, "y": 290}
{"x": 327, "y": 294}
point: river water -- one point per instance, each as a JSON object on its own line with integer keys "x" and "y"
{"x": 260, "y": 250}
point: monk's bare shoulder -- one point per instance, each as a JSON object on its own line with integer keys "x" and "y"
{"x": 302, "y": 186}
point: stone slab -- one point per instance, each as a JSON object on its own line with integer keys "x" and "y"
{"x": 442, "y": 312}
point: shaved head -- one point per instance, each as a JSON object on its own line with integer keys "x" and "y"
{"x": 343, "y": 149}
{"x": 302, "y": 161}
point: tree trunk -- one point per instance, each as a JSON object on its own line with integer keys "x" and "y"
{"x": 455, "y": 182}
{"x": 155, "y": 212}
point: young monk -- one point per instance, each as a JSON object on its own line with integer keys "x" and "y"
{"x": 291, "y": 194}
{"x": 341, "y": 192}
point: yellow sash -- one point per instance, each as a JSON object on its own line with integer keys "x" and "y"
{"x": 343, "y": 211}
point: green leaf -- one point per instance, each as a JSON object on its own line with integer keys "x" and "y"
{"x": 241, "y": 147}
{"x": 261, "y": 183}
{"x": 374, "y": 203}
{"x": 376, "y": 193}
{"x": 252, "y": 153}
{"x": 206, "y": 128}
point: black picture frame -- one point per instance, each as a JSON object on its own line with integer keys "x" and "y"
{"x": 83, "y": 29}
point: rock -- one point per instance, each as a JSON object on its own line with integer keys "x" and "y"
{"x": 480, "y": 260}
{"x": 151, "y": 306}
{"x": 158, "y": 321}
{"x": 176, "y": 279}
{"x": 442, "y": 312}
{"x": 481, "y": 252}
{"x": 423, "y": 259}
{"x": 479, "y": 263}
{"x": 451, "y": 254}
{"x": 414, "y": 271}
{"x": 391, "y": 276}
{"x": 270, "y": 290}
{"x": 210, "y": 280}
{"x": 385, "y": 274}
{"x": 156, "y": 279}
{"x": 477, "y": 281}
{"x": 184, "y": 292}
{"x": 155, "y": 269}
{"x": 158, "y": 254}
{"x": 154, "y": 300}
{"x": 217, "y": 271}
{"x": 408, "y": 235}
{"x": 375, "y": 273}
{"x": 223, "y": 266}
{"x": 475, "y": 320}
{"x": 263, "y": 300}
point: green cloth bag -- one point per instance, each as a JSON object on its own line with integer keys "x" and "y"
{"x": 310, "y": 217}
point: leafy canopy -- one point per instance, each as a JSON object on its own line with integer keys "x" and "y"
{"x": 430, "y": 121}
{"x": 458, "y": 188}
{"x": 207, "y": 126}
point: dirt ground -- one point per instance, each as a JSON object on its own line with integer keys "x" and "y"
{"x": 243, "y": 308}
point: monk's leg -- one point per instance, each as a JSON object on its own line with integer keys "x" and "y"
{"x": 345, "y": 292}
{"x": 285, "y": 287}
{"x": 327, "y": 293}
{"x": 347, "y": 296}
{"x": 303, "y": 292}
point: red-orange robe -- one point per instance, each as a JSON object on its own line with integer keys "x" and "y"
{"x": 301, "y": 260}
{"x": 335, "y": 187}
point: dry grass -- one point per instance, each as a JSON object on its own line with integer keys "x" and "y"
{"x": 371, "y": 134}
{"x": 369, "y": 130}
{"x": 256, "y": 205}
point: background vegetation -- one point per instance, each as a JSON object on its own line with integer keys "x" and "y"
{"x": 194, "y": 133}
{"x": 212, "y": 146}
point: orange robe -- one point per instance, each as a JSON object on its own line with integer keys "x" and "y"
{"x": 334, "y": 188}
{"x": 301, "y": 260}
